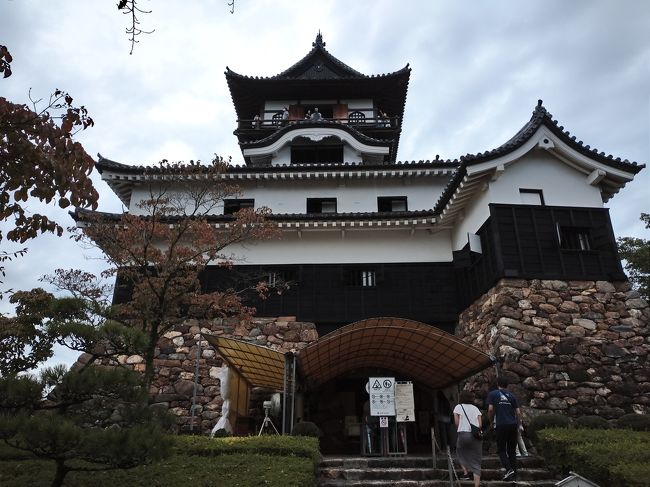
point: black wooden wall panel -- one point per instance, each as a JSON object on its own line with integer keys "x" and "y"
{"x": 424, "y": 292}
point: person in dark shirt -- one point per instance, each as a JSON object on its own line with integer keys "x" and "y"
{"x": 503, "y": 406}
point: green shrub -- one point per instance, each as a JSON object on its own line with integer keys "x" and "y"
{"x": 615, "y": 458}
{"x": 591, "y": 422}
{"x": 298, "y": 446}
{"x": 544, "y": 421}
{"x": 637, "y": 422}
{"x": 306, "y": 428}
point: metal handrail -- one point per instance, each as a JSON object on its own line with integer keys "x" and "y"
{"x": 269, "y": 123}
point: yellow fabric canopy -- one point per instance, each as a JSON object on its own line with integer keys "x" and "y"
{"x": 259, "y": 366}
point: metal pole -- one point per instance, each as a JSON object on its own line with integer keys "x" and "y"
{"x": 284, "y": 398}
{"x": 293, "y": 391}
{"x": 497, "y": 367}
{"x": 196, "y": 383}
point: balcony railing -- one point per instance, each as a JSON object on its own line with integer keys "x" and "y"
{"x": 271, "y": 124}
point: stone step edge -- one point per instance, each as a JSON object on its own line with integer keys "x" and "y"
{"x": 434, "y": 483}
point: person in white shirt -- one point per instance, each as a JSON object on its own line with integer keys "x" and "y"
{"x": 469, "y": 450}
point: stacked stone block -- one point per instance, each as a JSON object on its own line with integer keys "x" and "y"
{"x": 177, "y": 354}
{"x": 574, "y": 347}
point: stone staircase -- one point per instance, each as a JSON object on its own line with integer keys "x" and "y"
{"x": 417, "y": 471}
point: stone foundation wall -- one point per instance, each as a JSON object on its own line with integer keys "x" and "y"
{"x": 574, "y": 347}
{"x": 176, "y": 356}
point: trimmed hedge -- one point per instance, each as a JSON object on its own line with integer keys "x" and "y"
{"x": 298, "y": 446}
{"x": 616, "y": 458}
{"x": 544, "y": 421}
{"x": 591, "y": 422}
{"x": 636, "y": 422}
{"x": 273, "y": 461}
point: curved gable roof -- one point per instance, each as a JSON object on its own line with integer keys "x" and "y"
{"x": 461, "y": 182}
{"x": 317, "y": 64}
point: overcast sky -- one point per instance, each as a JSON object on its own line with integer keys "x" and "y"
{"x": 478, "y": 69}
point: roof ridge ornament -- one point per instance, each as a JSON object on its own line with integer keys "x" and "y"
{"x": 319, "y": 40}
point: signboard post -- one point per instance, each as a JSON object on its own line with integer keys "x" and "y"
{"x": 382, "y": 404}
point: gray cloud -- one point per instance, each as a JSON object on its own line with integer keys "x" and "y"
{"x": 478, "y": 70}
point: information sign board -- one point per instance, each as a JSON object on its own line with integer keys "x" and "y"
{"x": 404, "y": 403}
{"x": 382, "y": 396}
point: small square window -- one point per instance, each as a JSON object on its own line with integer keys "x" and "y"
{"x": 531, "y": 196}
{"x": 360, "y": 277}
{"x": 368, "y": 278}
{"x": 573, "y": 238}
{"x": 281, "y": 277}
{"x": 321, "y": 205}
{"x": 234, "y": 205}
{"x": 391, "y": 203}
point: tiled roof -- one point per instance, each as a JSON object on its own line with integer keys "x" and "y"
{"x": 104, "y": 164}
{"x": 305, "y": 69}
{"x": 79, "y": 215}
{"x": 540, "y": 117}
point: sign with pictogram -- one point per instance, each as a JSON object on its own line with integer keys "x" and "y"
{"x": 382, "y": 396}
{"x": 404, "y": 404}
{"x": 383, "y": 422}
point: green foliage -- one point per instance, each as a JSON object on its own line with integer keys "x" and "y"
{"x": 299, "y": 446}
{"x": 636, "y": 253}
{"x": 637, "y": 422}
{"x": 280, "y": 461}
{"x": 306, "y": 428}
{"x": 591, "y": 422}
{"x": 24, "y": 343}
{"x": 237, "y": 469}
{"x": 19, "y": 393}
{"x": 616, "y": 458}
{"x": 63, "y": 427}
{"x": 544, "y": 421}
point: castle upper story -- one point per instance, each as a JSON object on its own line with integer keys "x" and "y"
{"x": 319, "y": 110}
{"x": 319, "y": 142}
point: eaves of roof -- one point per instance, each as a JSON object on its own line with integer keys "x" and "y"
{"x": 395, "y": 219}
{"x": 103, "y": 164}
{"x": 318, "y": 49}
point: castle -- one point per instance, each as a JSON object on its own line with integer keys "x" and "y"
{"x": 427, "y": 271}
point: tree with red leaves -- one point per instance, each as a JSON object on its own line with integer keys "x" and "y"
{"x": 40, "y": 161}
{"x": 160, "y": 250}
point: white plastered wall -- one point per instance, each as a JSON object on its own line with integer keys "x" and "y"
{"x": 351, "y": 246}
{"x": 353, "y": 195}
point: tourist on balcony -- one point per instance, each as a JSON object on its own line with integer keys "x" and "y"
{"x": 256, "y": 121}
{"x": 469, "y": 450}
{"x": 316, "y": 115}
{"x": 285, "y": 115}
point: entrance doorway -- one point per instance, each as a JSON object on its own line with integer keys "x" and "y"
{"x": 337, "y": 408}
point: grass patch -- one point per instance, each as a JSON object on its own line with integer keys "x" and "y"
{"x": 616, "y": 458}
{"x": 197, "y": 461}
